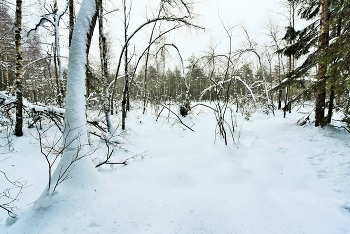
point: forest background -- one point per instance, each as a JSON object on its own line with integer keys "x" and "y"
{"x": 142, "y": 61}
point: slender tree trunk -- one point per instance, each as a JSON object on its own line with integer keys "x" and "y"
{"x": 279, "y": 77}
{"x": 291, "y": 59}
{"x": 322, "y": 65}
{"x": 71, "y": 20}
{"x": 104, "y": 67}
{"x": 279, "y": 99}
{"x": 331, "y": 105}
{"x": 59, "y": 100}
{"x": 144, "y": 95}
{"x": 19, "y": 67}
{"x": 128, "y": 96}
{"x": 285, "y": 108}
{"x": 6, "y": 74}
{"x": 126, "y": 86}
{"x": 294, "y": 5}
{"x": 332, "y": 94}
{"x": 286, "y": 99}
{"x": 2, "y": 85}
{"x": 57, "y": 18}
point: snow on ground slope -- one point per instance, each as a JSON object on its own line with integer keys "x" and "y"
{"x": 277, "y": 177}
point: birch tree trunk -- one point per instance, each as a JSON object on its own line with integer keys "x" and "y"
{"x": 6, "y": 74}
{"x": 57, "y": 17}
{"x": 59, "y": 100}
{"x": 104, "y": 68}
{"x": 71, "y": 20}
{"x": 19, "y": 66}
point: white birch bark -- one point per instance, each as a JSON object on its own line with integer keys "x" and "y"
{"x": 58, "y": 48}
{"x": 104, "y": 68}
{"x": 19, "y": 66}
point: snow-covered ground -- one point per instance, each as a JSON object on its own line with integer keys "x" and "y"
{"x": 277, "y": 177}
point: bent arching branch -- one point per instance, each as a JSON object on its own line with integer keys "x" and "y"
{"x": 163, "y": 18}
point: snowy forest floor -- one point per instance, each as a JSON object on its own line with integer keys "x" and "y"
{"x": 277, "y": 177}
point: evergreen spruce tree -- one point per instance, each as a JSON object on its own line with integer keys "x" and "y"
{"x": 338, "y": 57}
{"x": 324, "y": 42}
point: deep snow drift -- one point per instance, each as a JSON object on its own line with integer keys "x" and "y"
{"x": 277, "y": 177}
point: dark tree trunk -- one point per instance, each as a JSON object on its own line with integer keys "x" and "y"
{"x": 6, "y": 74}
{"x": 2, "y": 84}
{"x": 290, "y": 107}
{"x": 19, "y": 67}
{"x": 280, "y": 99}
{"x": 331, "y": 105}
{"x": 286, "y": 102}
{"x": 332, "y": 94}
{"x": 128, "y": 97}
{"x": 320, "y": 105}
{"x": 126, "y": 86}
{"x": 71, "y": 19}
{"x": 322, "y": 66}
{"x": 58, "y": 83}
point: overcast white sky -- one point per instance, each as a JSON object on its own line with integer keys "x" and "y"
{"x": 253, "y": 14}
